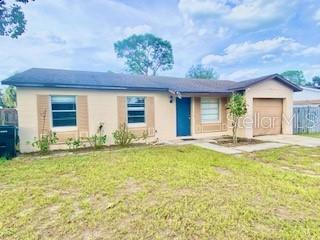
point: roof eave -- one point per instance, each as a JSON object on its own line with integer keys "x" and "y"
{"x": 278, "y": 77}
{"x": 127, "y": 88}
{"x": 295, "y": 87}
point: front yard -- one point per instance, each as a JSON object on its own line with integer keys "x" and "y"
{"x": 163, "y": 193}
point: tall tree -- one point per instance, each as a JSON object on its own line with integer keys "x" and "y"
{"x": 316, "y": 81}
{"x": 295, "y": 76}
{"x": 12, "y": 19}
{"x": 200, "y": 71}
{"x": 145, "y": 53}
{"x": 9, "y": 97}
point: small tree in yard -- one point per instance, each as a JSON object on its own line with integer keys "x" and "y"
{"x": 238, "y": 108}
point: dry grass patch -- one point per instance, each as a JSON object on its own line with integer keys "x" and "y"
{"x": 223, "y": 171}
{"x": 293, "y": 158}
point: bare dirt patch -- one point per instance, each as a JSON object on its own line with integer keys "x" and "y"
{"x": 128, "y": 188}
{"x": 101, "y": 202}
{"x": 227, "y": 141}
{"x": 185, "y": 192}
{"x": 131, "y": 186}
{"x": 223, "y": 171}
{"x": 301, "y": 171}
{"x": 89, "y": 234}
{"x": 263, "y": 228}
{"x": 285, "y": 213}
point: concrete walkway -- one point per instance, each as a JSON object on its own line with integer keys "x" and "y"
{"x": 292, "y": 139}
{"x": 240, "y": 149}
{"x": 271, "y": 141}
{"x": 217, "y": 148}
{"x": 259, "y": 146}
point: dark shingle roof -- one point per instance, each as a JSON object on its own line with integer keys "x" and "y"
{"x": 37, "y": 77}
{"x": 247, "y": 83}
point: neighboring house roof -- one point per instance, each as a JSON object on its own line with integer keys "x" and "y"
{"x": 37, "y": 77}
{"x": 307, "y": 96}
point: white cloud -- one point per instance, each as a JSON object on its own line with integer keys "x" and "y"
{"x": 316, "y": 16}
{"x": 139, "y": 29}
{"x": 71, "y": 35}
{"x": 242, "y": 74}
{"x": 310, "y": 51}
{"x": 270, "y": 58}
{"x": 311, "y": 71}
{"x": 203, "y": 7}
{"x": 252, "y": 14}
{"x": 246, "y": 50}
{"x": 222, "y": 32}
{"x": 239, "y": 14}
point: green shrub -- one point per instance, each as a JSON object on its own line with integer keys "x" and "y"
{"x": 44, "y": 142}
{"x": 74, "y": 143}
{"x": 99, "y": 139}
{"x": 122, "y": 136}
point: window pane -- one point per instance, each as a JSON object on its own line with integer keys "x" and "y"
{"x": 64, "y": 122}
{"x": 63, "y": 111}
{"x": 62, "y": 115}
{"x": 63, "y": 106}
{"x": 135, "y": 119}
{"x": 136, "y": 100}
{"x": 63, "y": 99}
{"x": 209, "y": 110}
{"x": 135, "y": 113}
{"x": 136, "y": 109}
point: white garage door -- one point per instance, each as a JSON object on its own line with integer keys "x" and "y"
{"x": 267, "y": 116}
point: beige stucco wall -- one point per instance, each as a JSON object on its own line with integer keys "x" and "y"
{"x": 269, "y": 89}
{"x": 102, "y": 107}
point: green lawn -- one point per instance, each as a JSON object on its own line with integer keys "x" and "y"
{"x": 163, "y": 193}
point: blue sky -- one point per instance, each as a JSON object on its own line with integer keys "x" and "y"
{"x": 239, "y": 38}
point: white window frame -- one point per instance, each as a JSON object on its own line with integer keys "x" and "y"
{"x": 218, "y": 120}
{"x": 62, "y": 128}
{"x": 142, "y": 124}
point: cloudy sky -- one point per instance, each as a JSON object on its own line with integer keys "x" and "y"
{"x": 239, "y": 38}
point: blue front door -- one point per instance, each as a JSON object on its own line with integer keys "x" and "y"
{"x": 183, "y": 106}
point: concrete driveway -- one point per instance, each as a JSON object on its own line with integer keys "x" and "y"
{"x": 292, "y": 139}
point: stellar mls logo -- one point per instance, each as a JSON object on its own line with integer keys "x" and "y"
{"x": 258, "y": 121}
{"x": 308, "y": 121}
{"x": 266, "y": 122}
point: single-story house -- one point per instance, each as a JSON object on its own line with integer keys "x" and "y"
{"x": 74, "y": 103}
{"x": 307, "y": 97}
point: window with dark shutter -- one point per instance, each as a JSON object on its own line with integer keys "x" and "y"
{"x": 64, "y": 112}
{"x": 136, "y": 110}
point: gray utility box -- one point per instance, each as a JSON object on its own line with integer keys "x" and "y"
{"x": 8, "y": 141}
